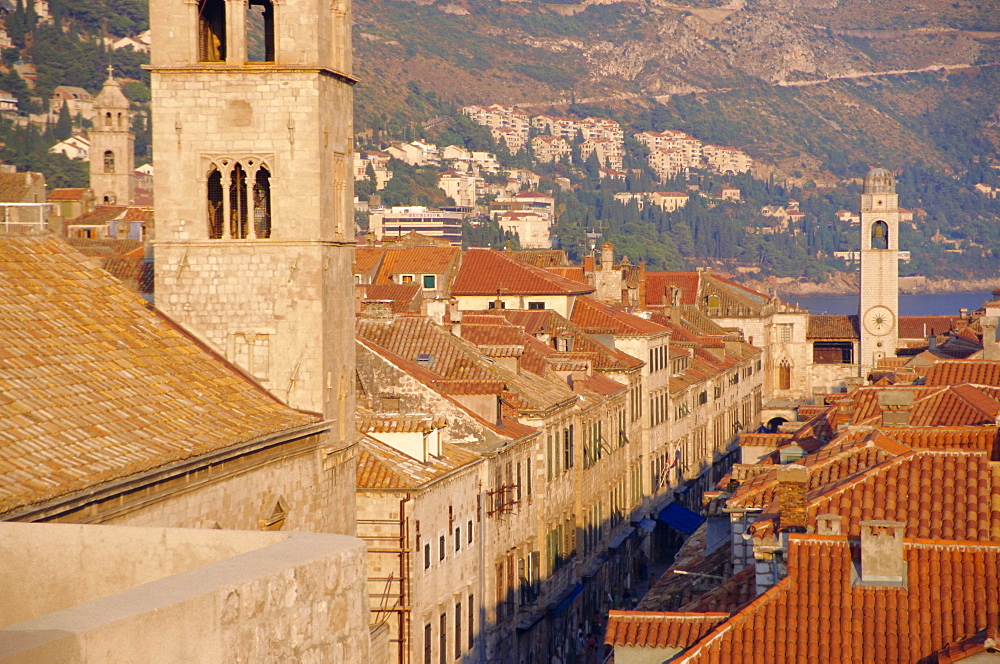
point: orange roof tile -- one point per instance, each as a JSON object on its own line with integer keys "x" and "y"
{"x": 920, "y": 327}
{"x": 571, "y": 272}
{"x": 824, "y": 326}
{"x": 816, "y": 613}
{"x": 590, "y": 314}
{"x": 659, "y": 630}
{"x": 952, "y": 372}
{"x": 487, "y": 272}
{"x": 95, "y": 387}
{"x": 366, "y": 258}
{"x": 541, "y": 257}
{"x": 67, "y": 194}
{"x": 416, "y": 260}
{"x": 381, "y": 466}
{"x": 401, "y": 296}
{"x": 658, "y": 287}
{"x": 984, "y": 641}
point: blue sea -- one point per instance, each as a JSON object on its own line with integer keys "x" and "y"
{"x": 931, "y": 304}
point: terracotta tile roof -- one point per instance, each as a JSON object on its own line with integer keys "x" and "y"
{"x": 100, "y": 215}
{"x": 816, "y": 614}
{"x": 594, "y": 316}
{"x": 978, "y": 372}
{"x": 773, "y": 440}
{"x": 729, "y": 596}
{"x": 416, "y": 260}
{"x": 541, "y": 257}
{"x": 15, "y": 186}
{"x": 658, "y": 287}
{"x": 382, "y": 466}
{"x": 487, "y": 272}
{"x": 920, "y": 327}
{"x": 571, "y": 272}
{"x": 824, "y": 326}
{"x": 984, "y": 641}
{"x": 366, "y": 258}
{"x": 659, "y": 630}
{"x": 95, "y": 387}
{"x": 972, "y": 439}
{"x": 65, "y": 194}
{"x": 401, "y": 296}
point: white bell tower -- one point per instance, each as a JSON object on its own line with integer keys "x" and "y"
{"x": 879, "y": 307}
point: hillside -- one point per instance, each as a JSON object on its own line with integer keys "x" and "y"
{"x": 792, "y": 79}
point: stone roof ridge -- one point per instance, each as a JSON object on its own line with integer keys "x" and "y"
{"x": 985, "y": 640}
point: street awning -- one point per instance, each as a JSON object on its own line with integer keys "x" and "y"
{"x": 555, "y": 608}
{"x": 647, "y": 524}
{"x": 591, "y": 570}
{"x": 620, "y": 538}
{"x": 679, "y": 517}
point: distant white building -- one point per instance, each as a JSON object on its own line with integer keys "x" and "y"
{"x": 417, "y": 153}
{"x": 532, "y": 228}
{"x": 398, "y": 221}
{"x": 74, "y": 147}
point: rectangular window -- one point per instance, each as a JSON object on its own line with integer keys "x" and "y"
{"x": 441, "y": 548}
{"x": 430, "y": 281}
{"x": 427, "y": 643}
{"x": 458, "y": 539}
{"x": 469, "y": 530}
{"x": 784, "y": 333}
{"x": 407, "y": 279}
{"x": 458, "y": 630}
{"x": 443, "y": 652}
{"x": 472, "y": 622}
{"x": 527, "y": 476}
{"x": 536, "y": 305}
{"x": 517, "y": 485}
{"x": 427, "y": 556}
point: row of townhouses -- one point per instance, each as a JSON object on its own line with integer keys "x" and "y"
{"x": 521, "y": 437}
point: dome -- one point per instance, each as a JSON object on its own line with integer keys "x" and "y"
{"x": 880, "y": 181}
{"x": 111, "y": 96}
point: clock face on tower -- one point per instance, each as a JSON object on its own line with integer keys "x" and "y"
{"x": 879, "y": 320}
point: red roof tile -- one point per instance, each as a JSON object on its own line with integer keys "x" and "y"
{"x": 823, "y": 326}
{"x": 920, "y": 327}
{"x": 541, "y": 257}
{"x": 978, "y": 372}
{"x": 659, "y": 630}
{"x": 590, "y": 314}
{"x": 952, "y": 590}
{"x": 366, "y": 258}
{"x": 488, "y": 272}
{"x": 984, "y": 641}
{"x": 658, "y": 287}
{"x": 416, "y": 260}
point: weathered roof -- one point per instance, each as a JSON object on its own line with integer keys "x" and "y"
{"x": 489, "y": 272}
{"x": 541, "y": 257}
{"x": 416, "y": 260}
{"x": 382, "y": 466}
{"x": 920, "y": 327}
{"x": 14, "y": 187}
{"x": 95, "y": 387}
{"x": 831, "y": 326}
{"x": 978, "y": 372}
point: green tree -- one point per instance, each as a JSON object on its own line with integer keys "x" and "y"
{"x": 64, "y": 126}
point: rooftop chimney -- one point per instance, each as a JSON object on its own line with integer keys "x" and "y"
{"x": 882, "y": 561}
{"x": 828, "y": 524}
{"x": 991, "y": 343}
{"x": 793, "y": 481}
{"x": 895, "y": 405}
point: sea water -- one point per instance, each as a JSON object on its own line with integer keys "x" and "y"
{"x": 928, "y": 304}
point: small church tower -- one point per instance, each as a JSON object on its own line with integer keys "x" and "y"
{"x": 112, "y": 147}
{"x": 879, "y": 307}
{"x": 254, "y": 243}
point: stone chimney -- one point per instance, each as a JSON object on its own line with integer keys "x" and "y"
{"x": 895, "y": 405}
{"x": 607, "y": 256}
{"x": 828, "y": 524}
{"x": 641, "y": 296}
{"x": 991, "y": 344}
{"x": 793, "y": 482}
{"x": 882, "y": 561}
{"x": 455, "y": 320}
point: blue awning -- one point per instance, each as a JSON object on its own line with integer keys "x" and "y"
{"x": 647, "y": 524}
{"x": 681, "y": 518}
{"x": 620, "y": 538}
{"x": 571, "y": 594}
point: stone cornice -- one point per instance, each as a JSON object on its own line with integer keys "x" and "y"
{"x": 222, "y": 68}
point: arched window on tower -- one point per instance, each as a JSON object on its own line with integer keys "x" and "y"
{"x": 109, "y": 161}
{"x": 260, "y": 31}
{"x": 119, "y": 121}
{"x": 211, "y": 30}
{"x": 107, "y": 121}
{"x": 784, "y": 375}
{"x": 262, "y": 203}
{"x": 880, "y": 235}
{"x": 215, "y": 204}
{"x": 238, "y": 203}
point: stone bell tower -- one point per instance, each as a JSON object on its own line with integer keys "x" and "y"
{"x": 879, "y": 307}
{"x": 112, "y": 146}
{"x": 252, "y": 131}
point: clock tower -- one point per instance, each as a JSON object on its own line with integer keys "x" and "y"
{"x": 879, "y": 307}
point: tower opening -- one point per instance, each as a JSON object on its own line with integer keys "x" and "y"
{"x": 215, "y": 204}
{"x": 238, "y": 203}
{"x": 260, "y": 31}
{"x": 262, "y": 203}
{"x": 212, "y": 30}
{"x": 109, "y": 161}
{"x": 880, "y": 235}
